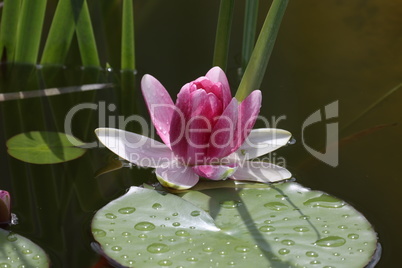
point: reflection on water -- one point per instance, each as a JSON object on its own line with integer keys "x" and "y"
{"x": 326, "y": 51}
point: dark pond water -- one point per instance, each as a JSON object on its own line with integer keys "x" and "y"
{"x": 334, "y": 50}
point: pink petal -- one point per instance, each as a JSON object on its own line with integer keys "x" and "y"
{"x": 179, "y": 120}
{"x": 260, "y": 172}
{"x": 222, "y": 139}
{"x": 192, "y": 124}
{"x": 200, "y": 125}
{"x": 137, "y": 149}
{"x": 217, "y": 75}
{"x": 5, "y": 207}
{"x": 262, "y": 141}
{"x": 174, "y": 175}
{"x": 160, "y": 105}
{"x": 248, "y": 113}
{"x": 214, "y": 172}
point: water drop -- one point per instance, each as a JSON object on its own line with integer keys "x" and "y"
{"x": 175, "y": 224}
{"x": 5, "y": 265}
{"x": 242, "y": 249}
{"x": 222, "y": 252}
{"x": 231, "y": 263}
{"x": 353, "y": 236}
{"x": 301, "y": 229}
{"x": 278, "y": 206}
{"x": 288, "y": 242}
{"x": 193, "y": 259}
{"x": 283, "y": 251}
{"x": 268, "y": 221}
{"x": 158, "y": 248}
{"x": 315, "y": 262}
{"x": 208, "y": 249}
{"x": 143, "y": 236}
{"x": 195, "y": 213}
{"x": 175, "y": 214}
{"x": 328, "y": 266}
{"x": 311, "y": 254}
{"x": 230, "y": 204}
{"x": 26, "y": 251}
{"x": 165, "y": 263}
{"x": 182, "y": 233}
{"x": 331, "y": 241}
{"x": 125, "y": 234}
{"x": 156, "y": 206}
{"x": 342, "y": 227}
{"x": 267, "y": 228}
{"x": 304, "y": 217}
{"x": 116, "y": 248}
{"x": 124, "y": 256}
{"x": 144, "y": 226}
{"x": 126, "y": 210}
{"x": 110, "y": 216}
{"x": 325, "y": 201}
{"x": 12, "y": 237}
{"x": 336, "y": 254}
{"x": 36, "y": 257}
{"x": 292, "y": 141}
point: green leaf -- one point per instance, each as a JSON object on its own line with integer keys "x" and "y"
{"x": 8, "y": 28}
{"x": 18, "y": 251}
{"x": 127, "y": 37}
{"x": 85, "y": 37}
{"x": 257, "y": 65}
{"x": 41, "y": 147}
{"x": 223, "y": 33}
{"x": 29, "y": 31}
{"x": 60, "y": 34}
{"x": 251, "y": 225}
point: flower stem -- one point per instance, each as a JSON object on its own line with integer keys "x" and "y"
{"x": 127, "y": 37}
{"x": 255, "y": 70}
{"x": 223, "y": 33}
{"x": 250, "y": 25}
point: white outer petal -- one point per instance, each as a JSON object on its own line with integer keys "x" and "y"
{"x": 137, "y": 149}
{"x": 262, "y": 141}
{"x": 177, "y": 176}
{"x": 261, "y": 172}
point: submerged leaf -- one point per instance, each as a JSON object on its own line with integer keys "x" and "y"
{"x": 281, "y": 226}
{"x": 41, "y": 147}
{"x": 18, "y": 251}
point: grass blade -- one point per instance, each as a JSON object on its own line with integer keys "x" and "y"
{"x": 250, "y": 25}
{"x": 29, "y": 31}
{"x": 257, "y": 65}
{"x": 8, "y": 28}
{"x": 223, "y": 33}
{"x": 86, "y": 38}
{"x": 127, "y": 37}
{"x": 60, "y": 34}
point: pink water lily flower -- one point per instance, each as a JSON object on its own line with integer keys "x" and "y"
{"x": 206, "y": 133}
{"x": 5, "y": 211}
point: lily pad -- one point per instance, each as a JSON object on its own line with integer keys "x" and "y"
{"x": 42, "y": 147}
{"x": 18, "y": 251}
{"x": 285, "y": 225}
